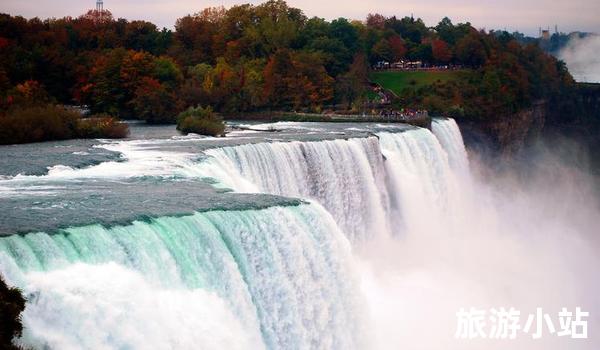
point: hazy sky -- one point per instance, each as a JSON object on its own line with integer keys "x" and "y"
{"x": 522, "y": 15}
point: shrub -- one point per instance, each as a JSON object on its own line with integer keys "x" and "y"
{"x": 12, "y": 304}
{"x": 49, "y": 122}
{"x": 201, "y": 121}
{"x": 101, "y": 126}
{"x": 39, "y": 123}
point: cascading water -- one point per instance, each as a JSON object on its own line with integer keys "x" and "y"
{"x": 276, "y": 278}
{"x": 350, "y": 176}
{"x": 427, "y": 239}
{"x": 449, "y": 136}
{"x": 345, "y": 176}
{"x": 423, "y": 187}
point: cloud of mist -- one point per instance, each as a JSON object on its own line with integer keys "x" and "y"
{"x": 582, "y": 56}
{"x": 523, "y": 239}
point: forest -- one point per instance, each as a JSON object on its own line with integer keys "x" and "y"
{"x": 264, "y": 57}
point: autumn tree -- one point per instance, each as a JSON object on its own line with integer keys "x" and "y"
{"x": 154, "y": 102}
{"x": 376, "y": 21}
{"x": 397, "y": 46}
{"x": 297, "y": 80}
{"x": 440, "y": 51}
{"x": 122, "y": 82}
{"x": 470, "y": 50}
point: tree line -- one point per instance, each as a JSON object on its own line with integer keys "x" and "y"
{"x": 259, "y": 57}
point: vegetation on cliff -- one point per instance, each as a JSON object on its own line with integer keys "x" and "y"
{"x": 12, "y": 304}
{"x": 505, "y": 77}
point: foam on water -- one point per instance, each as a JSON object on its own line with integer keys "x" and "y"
{"x": 278, "y": 277}
{"x": 428, "y": 238}
{"x": 345, "y": 176}
{"x": 392, "y": 179}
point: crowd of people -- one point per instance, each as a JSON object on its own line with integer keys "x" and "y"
{"x": 404, "y": 114}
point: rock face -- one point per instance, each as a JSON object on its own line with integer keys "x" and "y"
{"x": 12, "y": 304}
{"x": 573, "y": 117}
{"x": 504, "y": 136}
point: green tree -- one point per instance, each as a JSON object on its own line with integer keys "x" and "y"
{"x": 167, "y": 71}
{"x": 382, "y": 51}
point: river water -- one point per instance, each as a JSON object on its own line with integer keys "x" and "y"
{"x": 289, "y": 236}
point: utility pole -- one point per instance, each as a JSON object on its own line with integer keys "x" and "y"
{"x": 99, "y": 5}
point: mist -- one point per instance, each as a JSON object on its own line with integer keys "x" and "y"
{"x": 523, "y": 238}
{"x": 581, "y": 56}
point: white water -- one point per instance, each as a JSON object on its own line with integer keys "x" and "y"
{"x": 428, "y": 239}
{"x": 350, "y": 176}
{"x": 345, "y": 176}
{"x": 276, "y": 278}
{"x": 522, "y": 243}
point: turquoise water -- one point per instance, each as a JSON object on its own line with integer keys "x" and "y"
{"x": 284, "y": 236}
{"x": 280, "y": 273}
{"x": 150, "y": 233}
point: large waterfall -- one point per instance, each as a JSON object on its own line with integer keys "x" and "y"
{"x": 351, "y": 176}
{"x": 279, "y": 278}
{"x": 345, "y": 176}
{"x": 392, "y": 235}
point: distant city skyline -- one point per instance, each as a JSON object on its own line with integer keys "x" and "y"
{"x": 526, "y": 16}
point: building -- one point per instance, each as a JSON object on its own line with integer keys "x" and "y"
{"x": 545, "y": 34}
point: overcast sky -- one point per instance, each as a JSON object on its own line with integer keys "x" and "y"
{"x": 523, "y": 15}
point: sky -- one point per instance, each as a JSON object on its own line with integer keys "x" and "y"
{"x": 522, "y": 15}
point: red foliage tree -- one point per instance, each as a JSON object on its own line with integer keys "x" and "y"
{"x": 440, "y": 50}
{"x": 398, "y": 47}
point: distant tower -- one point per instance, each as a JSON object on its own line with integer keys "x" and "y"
{"x": 546, "y": 34}
{"x": 99, "y": 5}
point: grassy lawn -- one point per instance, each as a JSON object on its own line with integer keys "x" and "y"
{"x": 400, "y": 80}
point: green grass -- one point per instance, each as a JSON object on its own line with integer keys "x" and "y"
{"x": 397, "y": 81}
{"x": 372, "y": 95}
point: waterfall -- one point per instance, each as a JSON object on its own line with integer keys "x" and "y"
{"x": 415, "y": 183}
{"x": 282, "y": 277}
{"x": 345, "y": 176}
{"x": 278, "y": 278}
{"x": 450, "y": 137}
{"x": 426, "y": 191}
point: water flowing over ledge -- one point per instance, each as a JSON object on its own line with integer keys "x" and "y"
{"x": 251, "y": 270}
{"x": 369, "y": 185}
{"x": 361, "y": 180}
{"x": 275, "y": 278}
